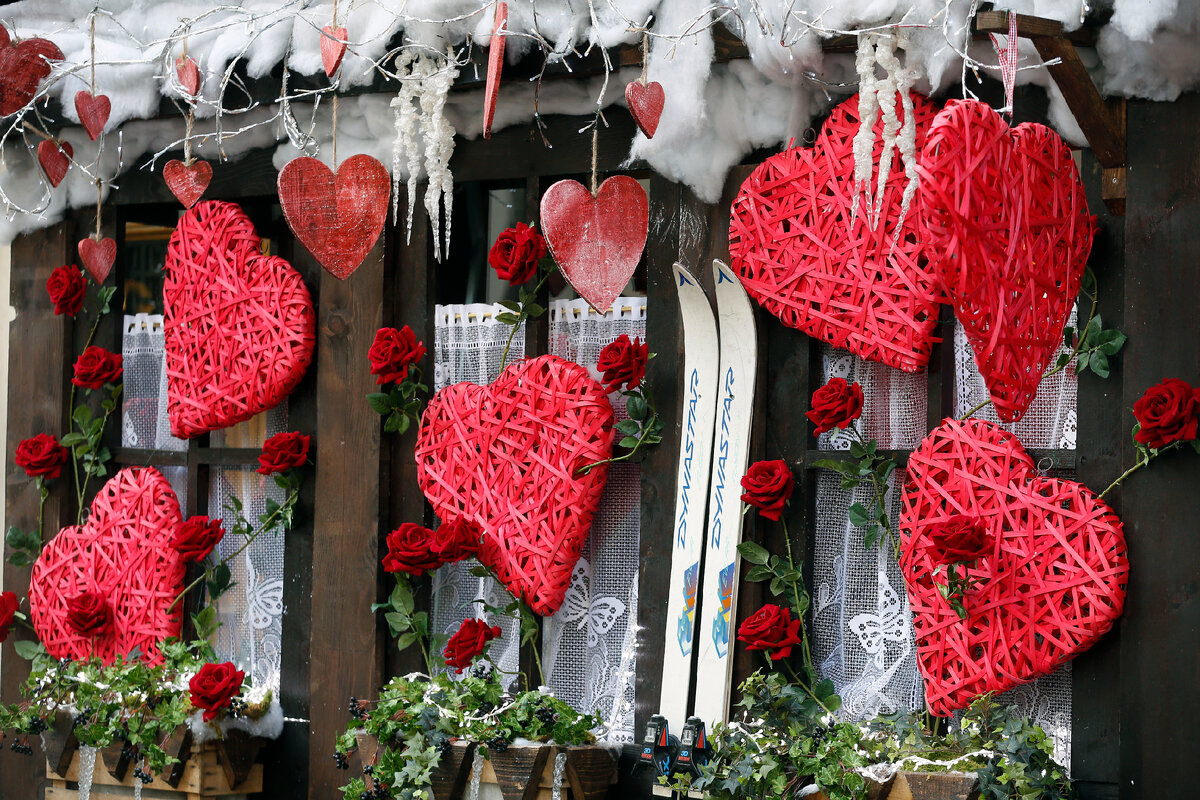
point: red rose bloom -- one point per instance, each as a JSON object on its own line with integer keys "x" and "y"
{"x": 96, "y": 367}
{"x": 768, "y": 485}
{"x": 41, "y": 456}
{"x": 66, "y": 288}
{"x": 455, "y": 540}
{"x": 623, "y": 362}
{"x": 410, "y": 549}
{"x": 468, "y": 642}
{"x": 516, "y": 253}
{"x": 771, "y": 628}
{"x": 88, "y": 614}
{"x": 214, "y": 686}
{"x": 835, "y": 405}
{"x": 393, "y": 352}
{"x": 282, "y": 452}
{"x": 196, "y": 537}
{"x": 959, "y": 539}
{"x": 9, "y": 603}
{"x": 1167, "y": 413}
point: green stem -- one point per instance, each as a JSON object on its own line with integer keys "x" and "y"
{"x": 797, "y": 680}
{"x": 521, "y": 317}
{"x": 537, "y": 659}
{"x": 43, "y": 492}
{"x": 87, "y": 473}
{"x": 1141, "y": 463}
{"x": 972, "y": 412}
{"x": 787, "y": 540}
{"x": 586, "y": 468}
{"x": 425, "y": 654}
{"x": 79, "y": 491}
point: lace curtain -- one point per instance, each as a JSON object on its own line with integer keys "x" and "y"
{"x": 144, "y": 396}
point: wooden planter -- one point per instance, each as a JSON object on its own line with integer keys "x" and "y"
{"x": 922, "y": 786}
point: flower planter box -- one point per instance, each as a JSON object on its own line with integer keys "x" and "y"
{"x": 922, "y": 786}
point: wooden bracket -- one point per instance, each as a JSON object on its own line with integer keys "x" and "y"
{"x": 1102, "y": 122}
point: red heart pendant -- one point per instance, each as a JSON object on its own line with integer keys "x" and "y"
{"x": 1051, "y": 583}
{"x": 55, "y": 158}
{"x": 333, "y": 48}
{"x": 491, "y": 87}
{"x": 98, "y": 257}
{"x": 188, "y": 72}
{"x": 23, "y": 66}
{"x": 597, "y": 241}
{"x": 124, "y": 553}
{"x": 337, "y": 217}
{"x": 506, "y": 457}
{"x": 1006, "y": 214}
{"x": 187, "y": 183}
{"x": 93, "y": 112}
{"x": 645, "y": 105}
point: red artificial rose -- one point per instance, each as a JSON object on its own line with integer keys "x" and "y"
{"x": 66, "y": 288}
{"x": 214, "y": 686}
{"x": 516, "y": 253}
{"x": 196, "y": 537}
{"x": 768, "y": 485}
{"x": 41, "y": 456}
{"x": 771, "y": 628}
{"x": 835, "y": 405}
{"x": 9, "y": 603}
{"x": 393, "y": 352}
{"x": 959, "y": 539}
{"x": 282, "y": 452}
{"x": 410, "y": 549}
{"x": 623, "y": 362}
{"x": 468, "y": 642}
{"x": 454, "y": 540}
{"x": 96, "y": 367}
{"x": 88, "y": 614}
{"x": 1168, "y": 412}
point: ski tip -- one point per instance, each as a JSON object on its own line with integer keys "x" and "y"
{"x": 722, "y": 273}
{"x": 682, "y": 275}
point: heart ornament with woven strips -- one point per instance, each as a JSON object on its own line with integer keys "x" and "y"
{"x": 124, "y": 553}
{"x": 804, "y": 255}
{"x": 1005, "y": 212}
{"x": 239, "y": 325}
{"x": 506, "y": 457}
{"x": 1050, "y": 585}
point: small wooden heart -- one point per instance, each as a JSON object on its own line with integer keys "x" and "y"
{"x": 55, "y": 158}
{"x": 188, "y": 72}
{"x": 98, "y": 257}
{"x": 93, "y": 111}
{"x": 491, "y": 88}
{"x": 333, "y": 48}
{"x": 187, "y": 182}
{"x": 645, "y": 103}
{"x": 23, "y": 66}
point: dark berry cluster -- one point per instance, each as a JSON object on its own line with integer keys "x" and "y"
{"x": 443, "y": 746}
{"x": 497, "y": 745}
{"x": 84, "y": 718}
{"x": 546, "y": 715}
{"x": 339, "y": 758}
{"x": 37, "y": 725}
{"x": 819, "y": 733}
{"x": 142, "y": 775}
{"x": 380, "y": 791}
{"x": 482, "y": 670}
{"x": 129, "y": 752}
{"x": 358, "y": 708}
{"x": 21, "y": 747}
{"x": 237, "y": 708}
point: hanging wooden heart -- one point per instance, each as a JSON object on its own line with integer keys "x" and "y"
{"x": 645, "y": 103}
{"x": 1006, "y": 216}
{"x": 187, "y": 182}
{"x": 238, "y": 325}
{"x": 1050, "y": 585}
{"x": 597, "y": 241}
{"x": 124, "y": 553}
{"x": 333, "y": 48}
{"x": 98, "y": 257}
{"x": 24, "y": 64}
{"x": 491, "y": 87}
{"x": 93, "y": 111}
{"x": 803, "y": 253}
{"x": 336, "y": 216}
{"x": 506, "y": 457}
{"x": 55, "y": 157}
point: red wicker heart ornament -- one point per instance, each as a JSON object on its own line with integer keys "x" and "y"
{"x": 645, "y": 103}
{"x": 55, "y": 157}
{"x": 24, "y": 64}
{"x": 187, "y": 182}
{"x": 333, "y": 48}
{"x": 804, "y": 257}
{"x": 239, "y": 326}
{"x": 506, "y": 458}
{"x": 98, "y": 256}
{"x": 124, "y": 553}
{"x": 1006, "y": 214}
{"x": 1051, "y": 584}
{"x": 93, "y": 112}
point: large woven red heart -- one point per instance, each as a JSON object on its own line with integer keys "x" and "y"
{"x": 23, "y": 66}
{"x": 1005, "y": 212}
{"x": 1052, "y": 581}
{"x": 239, "y": 326}
{"x": 124, "y": 553}
{"x": 804, "y": 255}
{"x": 506, "y": 457}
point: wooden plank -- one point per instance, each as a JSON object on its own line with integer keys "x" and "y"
{"x": 518, "y": 770}
{"x": 1032, "y": 27}
{"x": 1095, "y": 119}
{"x": 933, "y": 786}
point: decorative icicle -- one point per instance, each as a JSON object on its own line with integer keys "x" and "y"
{"x": 438, "y": 136}
{"x": 907, "y": 143}
{"x": 405, "y": 145}
{"x": 864, "y": 140}
{"x": 87, "y": 766}
{"x": 885, "y": 93}
{"x": 560, "y": 767}
{"x": 476, "y": 775}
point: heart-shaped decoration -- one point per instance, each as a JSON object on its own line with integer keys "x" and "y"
{"x": 188, "y": 73}
{"x": 238, "y": 325}
{"x": 55, "y": 157}
{"x": 98, "y": 257}
{"x": 124, "y": 553}
{"x": 645, "y": 103}
{"x": 806, "y": 254}
{"x": 333, "y": 48}
{"x": 507, "y": 457}
{"x": 491, "y": 86}
{"x": 336, "y": 216}
{"x": 187, "y": 182}
{"x": 1005, "y": 212}
{"x": 597, "y": 241}
{"x": 93, "y": 112}
{"x": 1051, "y": 583}
{"x": 24, "y": 64}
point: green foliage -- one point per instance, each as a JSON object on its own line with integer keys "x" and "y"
{"x": 875, "y": 467}
{"x": 1093, "y": 346}
{"x": 400, "y": 406}
{"x": 23, "y": 546}
{"x": 786, "y": 579}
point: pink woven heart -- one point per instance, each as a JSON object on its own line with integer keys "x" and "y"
{"x": 123, "y": 552}
{"x": 506, "y": 458}
{"x": 239, "y": 326}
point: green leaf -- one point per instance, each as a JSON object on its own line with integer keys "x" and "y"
{"x": 1099, "y": 364}
{"x": 480, "y": 571}
{"x": 405, "y": 640}
{"x": 758, "y": 573}
{"x": 72, "y": 439}
{"x": 82, "y": 415}
{"x": 511, "y": 305}
{"x": 629, "y": 442}
{"x": 28, "y": 650}
{"x": 507, "y": 318}
{"x": 844, "y": 467}
{"x": 1110, "y": 342}
{"x": 1069, "y": 336}
{"x": 1081, "y": 363}
{"x": 398, "y": 623}
{"x": 778, "y": 586}
{"x": 405, "y": 423}
{"x": 220, "y": 581}
{"x": 533, "y": 310}
{"x": 402, "y": 597}
{"x": 392, "y": 425}
{"x": 629, "y": 427}
{"x": 205, "y": 622}
{"x": 636, "y": 407}
{"x": 753, "y": 552}
{"x": 381, "y": 402}
{"x": 859, "y": 515}
{"x": 1063, "y": 359}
